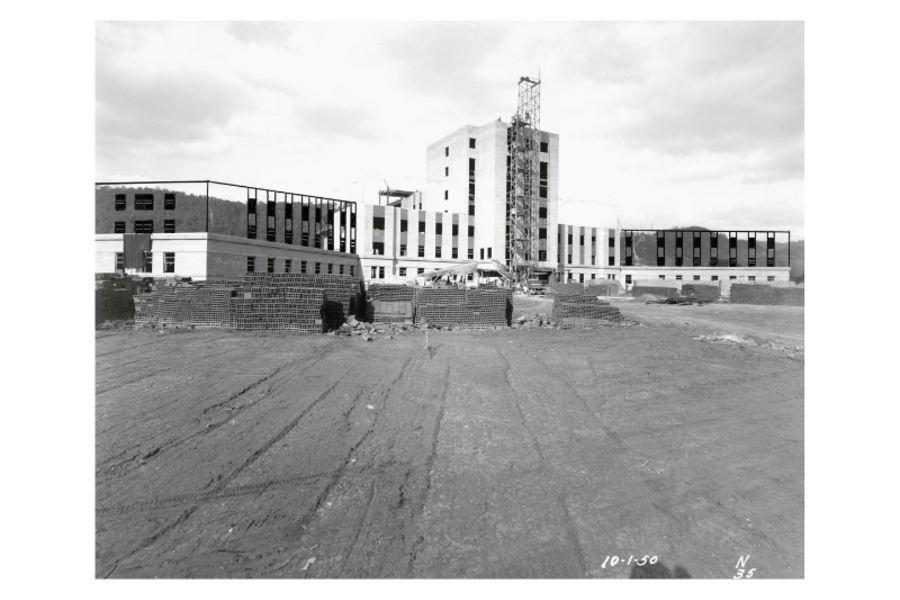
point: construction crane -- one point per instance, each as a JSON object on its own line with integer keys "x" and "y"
{"x": 522, "y": 182}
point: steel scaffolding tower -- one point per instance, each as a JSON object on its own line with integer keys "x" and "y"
{"x": 523, "y": 144}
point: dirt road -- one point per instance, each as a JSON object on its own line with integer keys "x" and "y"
{"x": 519, "y": 453}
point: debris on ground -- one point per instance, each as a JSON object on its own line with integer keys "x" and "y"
{"x": 748, "y": 341}
{"x": 677, "y": 300}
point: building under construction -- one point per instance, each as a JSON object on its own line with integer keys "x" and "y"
{"x": 490, "y": 205}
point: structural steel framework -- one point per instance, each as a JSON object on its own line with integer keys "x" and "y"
{"x": 319, "y": 218}
{"x": 712, "y": 245}
{"x": 522, "y": 209}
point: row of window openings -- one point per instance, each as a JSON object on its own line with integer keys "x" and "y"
{"x": 716, "y": 277}
{"x": 378, "y": 249}
{"x": 168, "y": 261}
{"x": 612, "y": 240}
{"x": 611, "y": 261}
{"x": 288, "y": 266}
{"x": 678, "y": 277}
{"x": 378, "y": 272}
{"x": 594, "y": 276}
{"x": 545, "y": 147}
{"x": 146, "y": 226}
{"x": 145, "y": 202}
{"x": 378, "y": 225}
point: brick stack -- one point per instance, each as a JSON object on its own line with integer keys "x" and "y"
{"x": 342, "y": 294}
{"x": 610, "y": 288}
{"x": 765, "y": 294}
{"x": 441, "y": 307}
{"x": 488, "y": 308}
{"x": 575, "y": 311}
{"x": 114, "y": 296}
{"x": 666, "y": 292}
{"x": 701, "y": 293}
{"x": 279, "y": 308}
{"x": 389, "y": 303}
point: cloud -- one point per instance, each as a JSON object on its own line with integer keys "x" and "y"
{"x": 328, "y": 121}
{"x": 260, "y": 32}
{"x": 140, "y": 107}
{"x": 713, "y": 88}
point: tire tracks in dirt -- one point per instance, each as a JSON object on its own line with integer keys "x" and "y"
{"x": 570, "y": 528}
{"x": 306, "y": 518}
{"x": 273, "y": 440}
{"x": 149, "y": 541}
{"x": 207, "y": 497}
{"x": 429, "y": 469}
{"x": 210, "y": 427}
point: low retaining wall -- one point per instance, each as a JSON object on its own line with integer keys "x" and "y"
{"x": 766, "y": 294}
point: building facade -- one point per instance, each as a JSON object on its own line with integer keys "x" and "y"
{"x": 467, "y": 174}
{"x": 179, "y": 234}
{"x": 461, "y": 217}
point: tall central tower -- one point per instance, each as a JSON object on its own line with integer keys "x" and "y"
{"x": 523, "y": 177}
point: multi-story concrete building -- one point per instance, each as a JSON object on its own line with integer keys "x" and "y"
{"x": 460, "y": 218}
{"x": 466, "y": 192}
{"x": 467, "y": 174}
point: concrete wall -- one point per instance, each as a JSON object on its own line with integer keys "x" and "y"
{"x": 453, "y": 152}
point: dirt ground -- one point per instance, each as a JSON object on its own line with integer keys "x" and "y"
{"x": 527, "y": 453}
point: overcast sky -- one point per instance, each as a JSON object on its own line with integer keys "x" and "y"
{"x": 660, "y": 124}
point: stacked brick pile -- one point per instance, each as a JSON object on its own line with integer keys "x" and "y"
{"x": 390, "y": 303}
{"x": 441, "y": 307}
{"x": 611, "y": 288}
{"x": 571, "y": 311}
{"x": 483, "y": 308}
{"x": 701, "y": 293}
{"x": 765, "y": 294}
{"x": 342, "y": 294}
{"x": 279, "y": 308}
{"x": 665, "y": 292}
{"x": 113, "y": 303}
{"x": 488, "y": 308}
{"x": 260, "y": 301}
{"x": 115, "y": 296}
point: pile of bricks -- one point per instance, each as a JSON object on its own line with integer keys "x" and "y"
{"x": 575, "y": 311}
{"x": 701, "y": 293}
{"x": 114, "y": 296}
{"x": 260, "y": 301}
{"x": 279, "y": 308}
{"x": 765, "y": 294}
{"x": 665, "y": 292}
{"x": 483, "y": 308}
{"x": 611, "y": 288}
{"x": 343, "y": 295}
{"x": 390, "y": 303}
